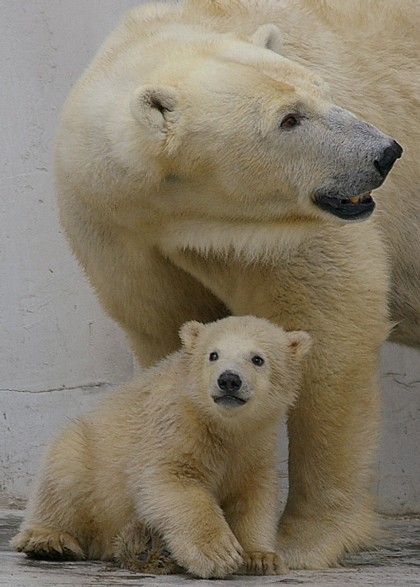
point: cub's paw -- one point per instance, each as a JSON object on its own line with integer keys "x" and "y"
{"x": 142, "y": 550}
{"x": 263, "y": 563}
{"x": 218, "y": 558}
{"x": 47, "y": 543}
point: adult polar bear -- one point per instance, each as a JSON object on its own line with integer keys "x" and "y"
{"x": 200, "y": 174}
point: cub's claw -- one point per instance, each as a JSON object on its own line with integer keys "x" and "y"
{"x": 48, "y": 544}
{"x": 263, "y": 563}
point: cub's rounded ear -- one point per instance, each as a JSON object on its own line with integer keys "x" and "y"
{"x": 153, "y": 105}
{"x": 188, "y": 334}
{"x": 299, "y": 342}
{"x": 268, "y": 36}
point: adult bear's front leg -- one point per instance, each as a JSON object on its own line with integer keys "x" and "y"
{"x": 333, "y": 436}
{"x": 341, "y": 290}
{"x": 335, "y": 288}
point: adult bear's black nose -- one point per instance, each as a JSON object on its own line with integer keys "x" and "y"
{"x": 389, "y": 156}
{"x": 229, "y": 382}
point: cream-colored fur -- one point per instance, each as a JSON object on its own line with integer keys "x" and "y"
{"x": 181, "y": 448}
{"x": 369, "y": 53}
{"x": 188, "y": 165}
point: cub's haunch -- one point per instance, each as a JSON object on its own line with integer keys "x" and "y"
{"x": 182, "y": 457}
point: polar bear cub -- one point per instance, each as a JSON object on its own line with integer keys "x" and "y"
{"x": 189, "y": 447}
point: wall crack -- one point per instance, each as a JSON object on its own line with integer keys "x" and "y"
{"x": 81, "y": 387}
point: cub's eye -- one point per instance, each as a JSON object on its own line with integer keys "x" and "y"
{"x": 257, "y": 360}
{"x": 213, "y": 356}
{"x": 290, "y": 121}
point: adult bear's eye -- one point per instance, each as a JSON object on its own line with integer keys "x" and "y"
{"x": 290, "y": 121}
{"x": 257, "y": 360}
{"x": 213, "y": 356}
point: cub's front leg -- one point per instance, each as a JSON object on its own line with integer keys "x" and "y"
{"x": 252, "y": 513}
{"x": 193, "y": 526}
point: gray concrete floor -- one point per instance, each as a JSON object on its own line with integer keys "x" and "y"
{"x": 396, "y": 563}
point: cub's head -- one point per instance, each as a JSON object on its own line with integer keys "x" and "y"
{"x": 243, "y": 367}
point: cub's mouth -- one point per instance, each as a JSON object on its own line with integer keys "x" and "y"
{"x": 355, "y": 208}
{"x": 229, "y": 401}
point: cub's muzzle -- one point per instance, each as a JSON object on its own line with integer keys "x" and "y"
{"x": 229, "y": 382}
{"x": 229, "y": 392}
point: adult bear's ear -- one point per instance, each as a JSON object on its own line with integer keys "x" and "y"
{"x": 299, "y": 342}
{"x": 189, "y": 333}
{"x": 154, "y": 105}
{"x": 267, "y": 36}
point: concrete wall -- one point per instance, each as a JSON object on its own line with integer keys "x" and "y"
{"x": 57, "y": 348}
{"x": 58, "y": 351}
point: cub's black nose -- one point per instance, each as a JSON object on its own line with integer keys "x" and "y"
{"x": 389, "y": 156}
{"x": 229, "y": 382}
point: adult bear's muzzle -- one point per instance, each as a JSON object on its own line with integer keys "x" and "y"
{"x": 389, "y": 156}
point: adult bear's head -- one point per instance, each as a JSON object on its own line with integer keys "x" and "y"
{"x": 242, "y": 133}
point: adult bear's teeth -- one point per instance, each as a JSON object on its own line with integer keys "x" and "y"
{"x": 356, "y": 199}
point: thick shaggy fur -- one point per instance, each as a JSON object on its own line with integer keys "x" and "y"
{"x": 187, "y": 192}
{"x": 175, "y": 449}
{"x": 369, "y": 53}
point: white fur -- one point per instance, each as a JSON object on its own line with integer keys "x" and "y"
{"x": 199, "y": 203}
{"x": 161, "y": 451}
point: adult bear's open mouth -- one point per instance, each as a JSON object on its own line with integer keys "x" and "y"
{"x": 355, "y": 208}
